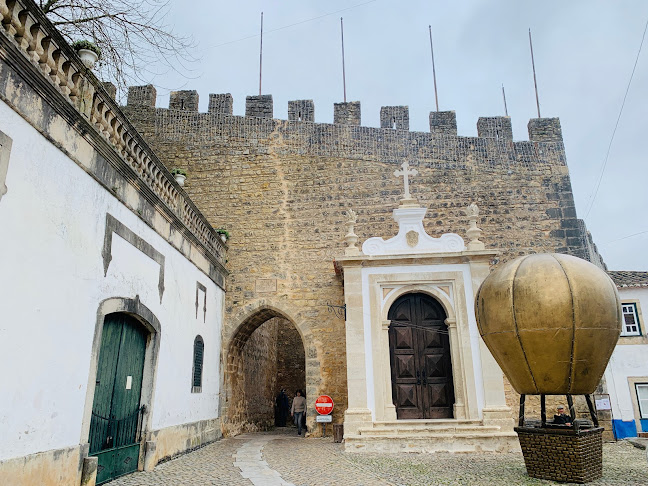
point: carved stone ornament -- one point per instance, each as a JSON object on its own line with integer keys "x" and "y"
{"x": 351, "y": 238}
{"x": 473, "y": 231}
{"x": 410, "y": 221}
{"x": 412, "y": 238}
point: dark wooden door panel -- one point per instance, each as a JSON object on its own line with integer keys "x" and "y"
{"x": 420, "y": 359}
{"x": 408, "y": 402}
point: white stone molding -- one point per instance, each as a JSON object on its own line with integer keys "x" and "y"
{"x": 412, "y": 238}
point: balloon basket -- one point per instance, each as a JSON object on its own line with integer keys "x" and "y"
{"x": 564, "y": 453}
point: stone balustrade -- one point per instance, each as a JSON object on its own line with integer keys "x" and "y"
{"x": 25, "y": 24}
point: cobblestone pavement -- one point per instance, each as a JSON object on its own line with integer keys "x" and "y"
{"x": 301, "y": 462}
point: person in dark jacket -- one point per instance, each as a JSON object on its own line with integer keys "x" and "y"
{"x": 561, "y": 417}
{"x": 283, "y": 406}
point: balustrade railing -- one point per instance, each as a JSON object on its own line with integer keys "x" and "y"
{"x": 26, "y": 25}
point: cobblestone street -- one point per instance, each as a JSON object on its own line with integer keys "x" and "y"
{"x": 286, "y": 459}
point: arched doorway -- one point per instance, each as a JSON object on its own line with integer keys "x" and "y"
{"x": 116, "y": 420}
{"x": 265, "y": 356}
{"x": 419, "y": 349}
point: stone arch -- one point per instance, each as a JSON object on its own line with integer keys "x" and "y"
{"x": 430, "y": 290}
{"x": 235, "y": 337}
{"x": 145, "y": 316}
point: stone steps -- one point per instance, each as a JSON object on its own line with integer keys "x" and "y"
{"x": 420, "y": 430}
{"x": 431, "y": 442}
{"x": 431, "y": 436}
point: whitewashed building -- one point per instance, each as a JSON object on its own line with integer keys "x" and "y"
{"x": 111, "y": 281}
{"x": 627, "y": 372}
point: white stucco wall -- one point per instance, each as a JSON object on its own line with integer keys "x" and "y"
{"x": 628, "y": 360}
{"x": 52, "y": 225}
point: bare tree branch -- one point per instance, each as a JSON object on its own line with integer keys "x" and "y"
{"x": 133, "y": 36}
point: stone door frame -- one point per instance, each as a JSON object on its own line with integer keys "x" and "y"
{"x": 143, "y": 314}
{"x": 447, "y": 288}
{"x": 371, "y": 286}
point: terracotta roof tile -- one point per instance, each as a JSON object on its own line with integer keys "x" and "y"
{"x": 629, "y": 279}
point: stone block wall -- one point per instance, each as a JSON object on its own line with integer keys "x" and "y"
{"x": 443, "y": 123}
{"x": 221, "y": 103}
{"x": 395, "y": 117}
{"x": 259, "y": 106}
{"x": 282, "y": 188}
{"x": 183, "y": 100}
{"x": 291, "y": 371}
{"x": 301, "y": 110}
{"x": 259, "y": 371}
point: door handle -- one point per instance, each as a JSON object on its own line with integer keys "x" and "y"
{"x": 418, "y": 378}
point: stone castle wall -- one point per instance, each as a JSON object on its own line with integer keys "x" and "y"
{"x": 282, "y": 188}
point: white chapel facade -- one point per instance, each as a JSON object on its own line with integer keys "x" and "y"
{"x": 420, "y": 379}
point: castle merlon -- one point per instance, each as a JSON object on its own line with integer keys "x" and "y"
{"x": 442, "y": 123}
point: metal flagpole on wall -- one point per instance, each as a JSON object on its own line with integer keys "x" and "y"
{"x": 261, "y": 55}
{"x": 504, "y": 96}
{"x": 535, "y": 82}
{"x": 343, "y": 71}
{"x": 436, "y": 97}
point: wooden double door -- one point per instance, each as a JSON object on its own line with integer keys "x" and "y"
{"x": 115, "y": 425}
{"x": 421, "y": 368}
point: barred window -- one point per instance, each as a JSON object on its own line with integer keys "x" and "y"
{"x": 198, "y": 354}
{"x": 642, "y": 398}
{"x": 630, "y": 320}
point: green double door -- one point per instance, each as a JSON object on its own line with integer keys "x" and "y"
{"x": 116, "y": 411}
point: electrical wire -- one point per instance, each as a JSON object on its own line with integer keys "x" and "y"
{"x": 607, "y": 155}
{"x": 291, "y": 25}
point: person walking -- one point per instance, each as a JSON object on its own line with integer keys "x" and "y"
{"x": 298, "y": 410}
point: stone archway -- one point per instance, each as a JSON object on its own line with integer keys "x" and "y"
{"x": 267, "y": 351}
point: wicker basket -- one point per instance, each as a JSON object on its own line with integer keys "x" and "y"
{"x": 562, "y": 454}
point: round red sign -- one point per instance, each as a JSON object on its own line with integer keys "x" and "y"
{"x": 324, "y": 405}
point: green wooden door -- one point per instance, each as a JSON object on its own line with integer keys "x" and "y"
{"x": 116, "y": 406}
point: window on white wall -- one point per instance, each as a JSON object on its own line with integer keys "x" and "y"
{"x": 642, "y": 398}
{"x": 630, "y": 320}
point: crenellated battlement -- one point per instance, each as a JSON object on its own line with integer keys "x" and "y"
{"x": 442, "y": 123}
{"x": 346, "y": 137}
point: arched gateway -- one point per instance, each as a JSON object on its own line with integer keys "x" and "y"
{"x": 265, "y": 355}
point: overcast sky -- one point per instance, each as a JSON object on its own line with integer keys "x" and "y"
{"x": 584, "y": 52}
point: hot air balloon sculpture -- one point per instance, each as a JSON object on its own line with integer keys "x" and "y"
{"x": 551, "y": 322}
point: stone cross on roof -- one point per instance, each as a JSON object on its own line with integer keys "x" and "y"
{"x": 406, "y": 172}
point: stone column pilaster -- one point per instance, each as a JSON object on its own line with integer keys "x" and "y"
{"x": 357, "y": 414}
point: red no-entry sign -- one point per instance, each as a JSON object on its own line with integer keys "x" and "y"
{"x": 324, "y": 405}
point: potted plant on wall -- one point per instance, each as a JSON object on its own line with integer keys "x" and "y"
{"x": 224, "y": 234}
{"x": 89, "y": 52}
{"x": 180, "y": 175}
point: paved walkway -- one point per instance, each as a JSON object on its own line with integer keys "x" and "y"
{"x": 283, "y": 458}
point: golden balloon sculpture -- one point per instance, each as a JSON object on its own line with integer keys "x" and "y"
{"x": 551, "y": 322}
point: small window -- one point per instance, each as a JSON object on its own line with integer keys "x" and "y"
{"x": 198, "y": 354}
{"x": 642, "y": 398}
{"x": 630, "y": 320}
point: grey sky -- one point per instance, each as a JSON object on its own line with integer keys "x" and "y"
{"x": 584, "y": 50}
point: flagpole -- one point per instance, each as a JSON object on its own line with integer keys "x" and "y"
{"x": 436, "y": 96}
{"x": 343, "y": 70}
{"x": 535, "y": 82}
{"x": 261, "y": 55}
